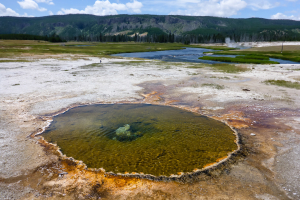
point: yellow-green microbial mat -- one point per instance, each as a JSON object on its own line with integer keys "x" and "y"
{"x": 151, "y": 139}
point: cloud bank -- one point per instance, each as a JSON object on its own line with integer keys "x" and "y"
{"x": 7, "y": 11}
{"x": 50, "y": 2}
{"x": 262, "y": 4}
{"x": 30, "y": 4}
{"x": 106, "y": 8}
{"x": 220, "y": 8}
{"x": 283, "y": 16}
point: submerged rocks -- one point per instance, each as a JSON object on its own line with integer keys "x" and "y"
{"x": 124, "y": 134}
{"x": 123, "y": 131}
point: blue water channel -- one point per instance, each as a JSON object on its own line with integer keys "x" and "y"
{"x": 185, "y": 55}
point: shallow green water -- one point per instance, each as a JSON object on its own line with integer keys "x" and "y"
{"x": 163, "y": 141}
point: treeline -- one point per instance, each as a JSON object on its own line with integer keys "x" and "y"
{"x": 160, "y": 38}
{"x": 195, "y": 38}
{"x": 51, "y": 38}
{"x": 167, "y": 38}
{"x": 265, "y": 36}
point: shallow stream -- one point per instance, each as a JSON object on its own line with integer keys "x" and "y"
{"x": 185, "y": 55}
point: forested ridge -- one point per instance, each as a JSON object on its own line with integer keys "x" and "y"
{"x": 152, "y": 28}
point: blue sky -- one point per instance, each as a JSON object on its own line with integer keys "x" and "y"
{"x": 270, "y": 9}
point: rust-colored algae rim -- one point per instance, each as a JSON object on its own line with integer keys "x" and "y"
{"x": 181, "y": 175}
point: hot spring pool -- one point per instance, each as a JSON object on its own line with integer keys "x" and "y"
{"x": 140, "y": 138}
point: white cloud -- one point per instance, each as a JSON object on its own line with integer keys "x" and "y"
{"x": 42, "y": 9}
{"x": 50, "y": 13}
{"x": 26, "y": 15}
{"x": 221, "y": 8}
{"x": 135, "y": 6}
{"x": 105, "y": 8}
{"x": 262, "y": 4}
{"x": 50, "y": 2}
{"x": 30, "y": 4}
{"x": 7, "y": 11}
{"x": 283, "y": 16}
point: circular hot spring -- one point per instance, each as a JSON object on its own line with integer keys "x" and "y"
{"x": 140, "y": 138}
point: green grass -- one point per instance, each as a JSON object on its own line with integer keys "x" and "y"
{"x": 255, "y": 57}
{"x": 297, "y": 78}
{"x": 287, "y": 55}
{"x": 133, "y": 63}
{"x": 4, "y": 61}
{"x": 237, "y": 60}
{"x": 91, "y": 66}
{"x": 137, "y": 62}
{"x": 216, "y": 86}
{"x": 196, "y": 66}
{"x": 16, "y": 48}
{"x": 228, "y": 68}
{"x": 283, "y": 83}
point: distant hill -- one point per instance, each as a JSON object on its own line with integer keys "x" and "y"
{"x": 195, "y": 28}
